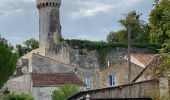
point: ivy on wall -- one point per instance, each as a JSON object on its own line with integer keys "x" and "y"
{"x": 103, "y": 48}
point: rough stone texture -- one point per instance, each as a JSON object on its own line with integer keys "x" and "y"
{"x": 41, "y": 64}
{"x": 43, "y": 93}
{"x": 120, "y": 71}
{"x": 117, "y": 55}
{"x": 21, "y": 84}
{"x": 50, "y": 28}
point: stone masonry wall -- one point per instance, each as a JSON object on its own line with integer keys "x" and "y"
{"x": 120, "y": 71}
{"x": 41, "y": 64}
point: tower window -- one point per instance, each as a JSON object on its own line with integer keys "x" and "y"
{"x": 112, "y": 80}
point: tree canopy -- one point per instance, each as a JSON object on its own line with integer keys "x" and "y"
{"x": 160, "y": 22}
{"x": 8, "y": 61}
{"x": 29, "y": 45}
{"x": 139, "y": 29}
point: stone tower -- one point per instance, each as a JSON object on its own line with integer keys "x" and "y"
{"x": 49, "y": 23}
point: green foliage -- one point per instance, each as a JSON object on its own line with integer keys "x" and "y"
{"x": 29, "y": 45}
{"x": 160, "y": 33}
{"x": 160, "y": 22}
{"x": 16, "y": 97}
{"x": 139, "y": 30}
{"x": 103, "y": 47}
{"x": 8, "y": 61}
{"x": 32, "y": 44}
{"x": 64, "y": 92}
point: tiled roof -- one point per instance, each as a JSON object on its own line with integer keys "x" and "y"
{"x": 55, "y": 79}
{"x": 145, "y": 59}
{"x": 151, "y": 67}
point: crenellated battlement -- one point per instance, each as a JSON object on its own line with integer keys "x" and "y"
{"x": 43, "y": 3}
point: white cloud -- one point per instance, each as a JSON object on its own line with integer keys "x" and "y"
{"x": 87, "y": 37}
{"x": 91, "y": 8}
{"x": 8, "y": 7}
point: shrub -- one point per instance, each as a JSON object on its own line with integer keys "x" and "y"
{"x": 64, "y": 92}
{"x": 17, "y": 97}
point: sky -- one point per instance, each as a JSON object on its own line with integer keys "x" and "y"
{"x": 80, "y": 19}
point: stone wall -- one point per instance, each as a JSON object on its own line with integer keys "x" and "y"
{"x": 41, "y": 64}
{"x": 43, "y": 93}
{"x": 120, "y": 71}
{"x": 116, "y": 55}
{"x": 81, "y": 58}
{"x": 22, "y": 84}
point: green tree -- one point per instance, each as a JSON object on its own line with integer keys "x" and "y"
{"x": 139, "y": 29}
{"x": 8, "y": 61}
{"x": 32, "y": 44}
{"x": 64, "y": 92}
{"x": 112, "y": 37}
{"x": 160, "y": 22}
{"x": 29, "y": 45}
{"x": 160, "y": 33}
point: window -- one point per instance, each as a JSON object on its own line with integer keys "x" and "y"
{"x": 87, "y": 81}
{"x": 112, "y": 80}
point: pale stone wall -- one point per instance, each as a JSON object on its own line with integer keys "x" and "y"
{"x": 135, "y": 61}
{"x": 41, "y": 64}
{"x": 59, "y": 53}
{"x": 118, "y": 54}
{"x": 49, "y": 20}
{"x": 120, "y": 71}
{"x": 43, "y": 93}
{"x": 22, "y": 84}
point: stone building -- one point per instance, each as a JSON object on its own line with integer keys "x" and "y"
{"x": 45, "y": 84}
{"x": 52, "y": 57}
{"x": 55, "y": 56}
{"x": 117, "y": 74}
{"x": 41, "y": 86}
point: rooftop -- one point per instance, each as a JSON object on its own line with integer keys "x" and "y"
{"x": 55, "y": 79}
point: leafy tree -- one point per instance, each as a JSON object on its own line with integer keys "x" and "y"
{"x": 64, "y": 92}
{"x": 7, "y": 62}
{"x": 112, "y": 37}
{"x": 160, "y": 22}
{"x": 32, "y": 44}
{"x": 29, "y": 45}
{"x": 139, "y": 29}
{"x": 160, "y": 33}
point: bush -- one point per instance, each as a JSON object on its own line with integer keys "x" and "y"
{"x": 64, "y": 92}
{"x": 16, "y": 97}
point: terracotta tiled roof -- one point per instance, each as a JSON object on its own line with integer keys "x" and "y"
{"x": 55, "y": 79}
{"x": 143, "y": 58}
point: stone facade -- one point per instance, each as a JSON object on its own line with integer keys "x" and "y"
{"x": 21, "y": 84}
{"x": 43, "y": 93}
{"x": 41, "y": 64}
{"x": 120, "y": 73}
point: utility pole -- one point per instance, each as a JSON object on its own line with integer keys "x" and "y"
{"x": 129, "y": 52}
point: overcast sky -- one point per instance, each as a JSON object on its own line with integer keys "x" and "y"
{"x": 80, "y": 19}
